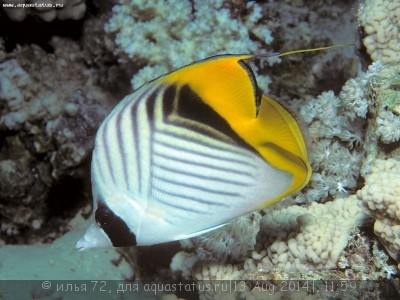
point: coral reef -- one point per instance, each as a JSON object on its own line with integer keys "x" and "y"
{"x": 177, "y": 39}
{"x": 343, "y": 141}
{"x": 308, "y": 238}
{"x": 48, "y": 132}
{"x": 336, "y": 132}
{"x": 336, "y": 137}
{"x": 357, "y": 263}
{"x": 348, "y": 133}
{"x": 361, "y": 260}
{"x": 385, "y": 101}
{"x": 380, "y": 90}
{"x": 217, "y": 271}
{"x": 51, "y": 104}
{"x": 48, "y": 10}
{"x": 339, "y": 133}
{"x": 381, "y": 197}
{"x": 232, "y": 243}
{"x": 379, "y": 18}
{"x": 212, "y": 283}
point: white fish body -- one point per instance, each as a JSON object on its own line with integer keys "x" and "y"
{"x": 167, "y": 166}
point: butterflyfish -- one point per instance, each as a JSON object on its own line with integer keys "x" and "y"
{"x": 188, "y": 152}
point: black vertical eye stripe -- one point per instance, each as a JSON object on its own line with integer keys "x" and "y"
{"x": 115, "y": 228}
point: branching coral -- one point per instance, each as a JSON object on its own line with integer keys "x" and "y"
{"x": 384, "y": 100}
{"x": 182, "y": 263}
{"x": 335, "y": 126}
{"x": 380, "y": 20}
{"x": 381, "y": 196}
{"x": 231, "y": 242}
{"x": 388, "y": 127}
{"x": 149, "y": 34}
{"x": 383, "y": 96}
{"x": 353, "y": 94}
{"x": 307, "y": 238}
{"x": 292, "y": 239}
{"x": 216, "y": 271}
{"x": 301, "y": 238}
{"x": 213, "y": 274}
{"x": 343, "y": 141}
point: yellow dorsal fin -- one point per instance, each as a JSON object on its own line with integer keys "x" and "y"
{"x": 228, "y": 86}
{"x": 224, "y": 82}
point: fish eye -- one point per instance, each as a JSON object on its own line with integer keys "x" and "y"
{"x": 103, "y": 216}
{"x": 114, "y": 226}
